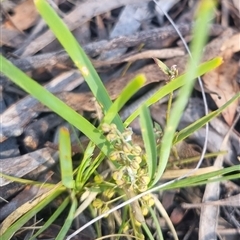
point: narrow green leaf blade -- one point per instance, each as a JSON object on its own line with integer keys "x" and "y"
{"x": 68, "y": 222}
{"x": 149, "y": 140}
{"x": 203, "y": 178}
{"x": 65, "y": 158}
{"x": 53, "y": 217}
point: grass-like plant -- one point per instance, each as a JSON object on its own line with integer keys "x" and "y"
{"x": 134, "y": 171}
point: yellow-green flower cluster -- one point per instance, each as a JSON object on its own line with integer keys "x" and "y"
{"x": 132, "y": 170}
{"x": 146, "y": 202}
{"x": 101, "y": 206}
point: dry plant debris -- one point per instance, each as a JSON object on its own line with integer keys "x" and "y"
{"x": 114, "y": 34}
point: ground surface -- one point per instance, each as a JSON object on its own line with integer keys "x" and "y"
{"x": 121, "y": 38}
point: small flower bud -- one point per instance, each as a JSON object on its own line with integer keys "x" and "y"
{"x": 127, "y": 148}
{"x": 146, "y": 197}
{"x": 117, "y": 175}
{"x": 105, "y": 209}
{"x": 113, "y": 156}
{"x": 108, "y": 193}
{"x": 135, "y": 165}
{"x": 120, "y": 182}
{"x": 106, "y": 128}
{"x": 140, "y": 236}
{"x": 150, "y": 202}
{"x": 113, "y": 127}
{"x": 111, "y": 137}
{"x": 142, "y": 171}
{"x": 144, "y": 180}
{"x": 136, "y": 150}
{"x": 118, "y": 146}
{"x": 137, "y": 159}
{"x": 97, "y": 203}
{"x": 142, "y": 188}
{"x": 144, "y": 210}
{"x": 137, "y": 223}
{"x": 125, "y": 228}
{"x": 98, "y": 179}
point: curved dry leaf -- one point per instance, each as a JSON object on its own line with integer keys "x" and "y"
{"x": 19, "y": 19}
{"x": 222, "y": 80}
{"x": 230, "y": 46}
{"x": 213, "y": 48}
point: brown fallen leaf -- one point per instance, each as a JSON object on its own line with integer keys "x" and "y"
{"x": 19, "y": 20}
{"x": 213, "y": 49}
{"x": 222, "y": 80}
{"x": 230, "y": 46}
